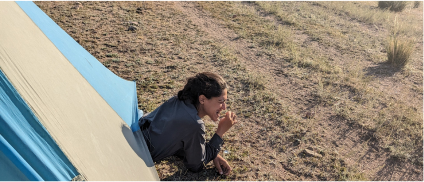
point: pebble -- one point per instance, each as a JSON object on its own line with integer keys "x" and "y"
{"x": 312, "y": 153}
{"x": 310, "y": 115}
{"x": 132, "y": 28}
{"x": 78, "y": 5}
{"x": 139, "y": 10}
{"x": 133, "y": 23}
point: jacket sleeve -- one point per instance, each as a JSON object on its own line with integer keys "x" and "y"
{"x": 198, "y": 152}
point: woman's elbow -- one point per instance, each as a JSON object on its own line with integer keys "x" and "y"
{"x": 195, "y": 168}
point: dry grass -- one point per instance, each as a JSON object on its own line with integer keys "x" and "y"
{"x": 320, "y": 77}
{"x": 399, "y": 51}
{"x": 399, "y": 47}
{"x": 396, "y": 6}
{"x": 417, "y": 4}
{"x": 348, "y": 94}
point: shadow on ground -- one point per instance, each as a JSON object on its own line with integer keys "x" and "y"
{"x": 382, "y": 69}
{"x": 393, "y": 168}
{"x": 181, "y": 173}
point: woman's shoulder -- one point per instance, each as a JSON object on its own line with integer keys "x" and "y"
{"x": 187, "y": 111}
{"x": 181, "y": 110}
{"x": 173, "y": 115}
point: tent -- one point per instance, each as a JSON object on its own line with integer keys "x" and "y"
{"x": 63, "y": 115}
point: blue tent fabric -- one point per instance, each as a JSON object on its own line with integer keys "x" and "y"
{"x": 120, "y": 94}
{"x": 9, "y": 171}
{"x": 18, "y": 161}
{"x": 33, "y": 150}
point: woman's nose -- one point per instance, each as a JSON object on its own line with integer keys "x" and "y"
{"x": 224, "y": 106}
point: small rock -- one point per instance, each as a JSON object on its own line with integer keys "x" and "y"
{"x": 78, "y": 6}
{"x": 296, "y": 142}
{"x": 336, "y": 152}
{"x": 310, "y": 115}
{"x": 132, "y": 28}
{"x": 312, "y": 153}
{"x": 335, "y": 143}
{"x": 133, "y": 23}
{"x": 139, "y": 10}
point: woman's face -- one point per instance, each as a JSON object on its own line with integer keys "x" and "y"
{"x": 212, "y": 107}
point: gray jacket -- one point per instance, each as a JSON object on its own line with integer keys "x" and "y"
{"x": 174, "y": 128}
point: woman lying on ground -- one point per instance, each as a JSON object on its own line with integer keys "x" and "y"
{"x": 176, "y": 127}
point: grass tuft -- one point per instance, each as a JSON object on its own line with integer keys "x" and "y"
{"x": 396, "y": 6}
{"x": 256, "y": 82}
{"x": 417, "y": 4}
{"x": 399, "y": 51}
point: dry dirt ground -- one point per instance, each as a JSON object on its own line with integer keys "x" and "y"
{"x": 160, "y": 44}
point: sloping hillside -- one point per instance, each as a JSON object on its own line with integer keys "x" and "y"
{"x": 309, "y": 81}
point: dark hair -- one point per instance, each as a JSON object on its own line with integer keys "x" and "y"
{"x": 206, "y": 83}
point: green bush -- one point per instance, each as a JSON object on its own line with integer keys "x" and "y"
{"x": 396, "y": 6}
{"x": 399, "y": 51}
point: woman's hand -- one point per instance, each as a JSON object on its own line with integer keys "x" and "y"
{"x": 222, "y": 165}
{"x": 226, "y": 123}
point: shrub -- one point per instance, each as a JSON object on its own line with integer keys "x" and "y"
{"x": 417, "y": 4}
{"x": 396, "y": 6}
{"x": 398, "y": 51}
